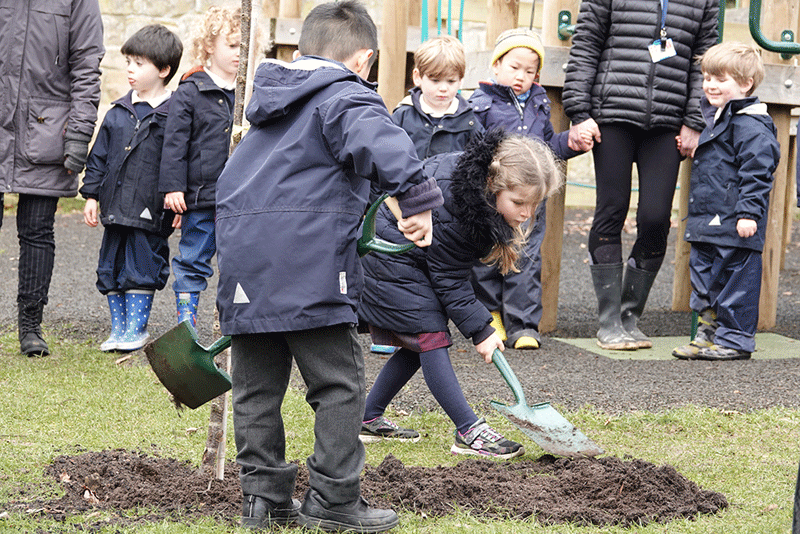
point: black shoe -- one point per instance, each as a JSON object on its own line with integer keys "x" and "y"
{"x": 718, "y": 352}
{"x": 356, "y": 516}
{"x": 259, "y": 513}
{"x": 32, "y": 344}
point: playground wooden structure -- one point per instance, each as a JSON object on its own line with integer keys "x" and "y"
{"x": 400, "y": 33}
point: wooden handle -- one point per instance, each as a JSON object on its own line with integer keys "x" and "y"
{"x": 391, "y": 202}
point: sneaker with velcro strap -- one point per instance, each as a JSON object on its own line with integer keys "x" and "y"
{"x": 482, "y": 440}
{"x": 382, "y": 428}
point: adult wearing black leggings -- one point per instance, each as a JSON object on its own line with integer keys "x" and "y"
{"x": 632, "y": 87}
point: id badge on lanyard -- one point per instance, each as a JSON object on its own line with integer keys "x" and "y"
{"x": 663, "y": 47}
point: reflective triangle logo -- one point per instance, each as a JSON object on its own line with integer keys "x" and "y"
{"x": 146, "y": 215}
{"x": 240, "y": 297}
{"x": 715, "y": 221}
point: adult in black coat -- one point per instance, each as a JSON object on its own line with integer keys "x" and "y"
{"x": 632, "y": 86}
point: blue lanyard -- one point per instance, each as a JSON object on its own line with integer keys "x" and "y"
{"x": 664, "y": 4}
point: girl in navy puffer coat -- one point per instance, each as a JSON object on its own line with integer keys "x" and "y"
{"x": 490, "y": 190}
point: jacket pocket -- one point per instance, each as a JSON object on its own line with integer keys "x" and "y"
{"x": 44, "y": 140}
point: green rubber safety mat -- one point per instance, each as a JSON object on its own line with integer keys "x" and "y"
{"x": 769, "y": 346}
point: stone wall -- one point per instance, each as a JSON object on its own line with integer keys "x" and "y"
{"x": 122, "y": 18}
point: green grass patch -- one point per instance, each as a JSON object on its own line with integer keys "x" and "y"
{"x": 79, "y": 400}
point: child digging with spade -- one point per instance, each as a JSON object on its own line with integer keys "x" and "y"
{"x": 491, "y": 190}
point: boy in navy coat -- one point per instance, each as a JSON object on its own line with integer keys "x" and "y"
{"x": 289, "y": 204}
{"x": 436, "y": 117}
{"x": 121, "y": 182}
{"x": 728, "y": 201}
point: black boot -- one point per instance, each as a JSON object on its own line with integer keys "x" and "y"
{"x": 607, "y": 280}
{"x": 260, "y": 514}
{"x": 31, "y": 342}
{"x": 636, "y": 284}
{"x": 356, "y": 516}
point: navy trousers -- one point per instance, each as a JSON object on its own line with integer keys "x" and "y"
{"x": 727, "y": 280}
{"x": 332, "y": 366}
{"x": 131, "y": 258}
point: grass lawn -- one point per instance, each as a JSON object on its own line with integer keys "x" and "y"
{"x": 81, "y": 400}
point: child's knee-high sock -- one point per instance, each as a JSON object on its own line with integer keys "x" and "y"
{"x": 116, "y": 305}
{"x": 394, "y": 375}
{"x": 442, "y": 382}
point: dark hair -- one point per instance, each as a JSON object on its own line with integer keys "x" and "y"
{"x": 158, "y": 45}
{"x": 337, "y": 30}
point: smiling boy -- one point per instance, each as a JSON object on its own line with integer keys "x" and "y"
{"x": 728, "y": 202}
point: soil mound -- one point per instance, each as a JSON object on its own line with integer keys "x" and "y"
{"x": 599, "y": 491}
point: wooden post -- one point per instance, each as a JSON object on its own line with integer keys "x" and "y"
{"x": 502, "y": 15}
{"x": 554, "y": 232}
{"x": 773, "y": 245}
{"x": 681, "y": 288}
{"x": 289, "y": 9}
{"x": 392, "y": 44}
{"x": 270, "y": 9}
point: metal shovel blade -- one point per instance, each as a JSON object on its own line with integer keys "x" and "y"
{"x": 541, "y": 422}
{"x": 186, "y": 368}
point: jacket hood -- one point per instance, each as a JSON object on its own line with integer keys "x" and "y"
{"x": 469, "y": 201}
{"x": 279, "y": 86}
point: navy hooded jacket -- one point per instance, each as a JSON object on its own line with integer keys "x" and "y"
{"x": 293, "y": 193}
{"x": 122, "y": 169}
{"x": 496, "y": 106}
{"x": 732, "y": 175}
{"x": 419, "y": 291}
{"x": 197, "y": 141}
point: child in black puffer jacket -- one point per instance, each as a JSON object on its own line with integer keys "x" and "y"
{"x": 490, "y": 190}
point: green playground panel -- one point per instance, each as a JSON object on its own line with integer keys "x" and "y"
{"x": 769, "y": 346}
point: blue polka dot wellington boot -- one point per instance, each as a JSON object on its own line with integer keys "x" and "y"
{"x": 138, "y": 303}
{"x": 116, "y": 304}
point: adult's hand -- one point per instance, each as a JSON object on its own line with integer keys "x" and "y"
{"x": 688, "y": 141}
{"x": 583, "y": 135}
{"x": 76, "y": 151}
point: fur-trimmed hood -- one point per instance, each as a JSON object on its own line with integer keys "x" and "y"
{"x": 468, "y": 201}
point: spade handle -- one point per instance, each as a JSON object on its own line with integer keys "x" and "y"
{"x": 508, "y": 375}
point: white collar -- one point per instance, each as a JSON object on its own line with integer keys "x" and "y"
{"x": 153, "y": 101}
{"x": 437, "y": 114}
{"x": 219, "y": 82}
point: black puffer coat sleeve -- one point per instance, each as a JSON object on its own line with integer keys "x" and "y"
{"x": 693, "y": 117}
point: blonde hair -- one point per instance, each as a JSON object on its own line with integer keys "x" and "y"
{"x": 218, "y": 20}
{"x": 739, "y": 60}
{"x": 440, "y": 56}
{"x": 521, "y": 162}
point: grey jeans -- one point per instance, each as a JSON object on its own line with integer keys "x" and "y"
{"x": 332, "y": 365}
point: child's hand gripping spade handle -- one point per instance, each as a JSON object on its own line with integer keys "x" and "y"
{"x": 368, "y": 242}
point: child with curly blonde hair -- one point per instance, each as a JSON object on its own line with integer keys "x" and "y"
{"x": 196, "y": 145}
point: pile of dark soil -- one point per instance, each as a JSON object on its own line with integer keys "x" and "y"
{"x": 586, "y": 491}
